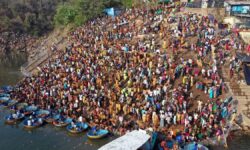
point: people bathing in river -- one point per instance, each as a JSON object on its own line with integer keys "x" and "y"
{"x": 121, "y": 76}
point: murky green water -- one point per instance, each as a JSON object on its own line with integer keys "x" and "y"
{"x": 10, "y": 69}
{"x": 50, "y": 138}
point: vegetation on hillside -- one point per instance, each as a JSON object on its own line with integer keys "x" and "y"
{"x": 37, "y": 17}
{"x": 28, "y": 16}
{"x": 76, "y": 12}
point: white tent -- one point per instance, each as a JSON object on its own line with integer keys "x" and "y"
{"x": 130, "y": 141}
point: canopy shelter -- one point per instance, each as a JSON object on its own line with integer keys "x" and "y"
{"x": 130, "y": 141}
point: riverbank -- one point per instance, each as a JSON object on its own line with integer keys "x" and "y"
{"x": 46, "y": 48}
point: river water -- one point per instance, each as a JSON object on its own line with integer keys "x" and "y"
{"x": 15, "y": 137}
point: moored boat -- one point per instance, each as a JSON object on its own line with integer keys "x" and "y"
{"x": 19, "y": 106}
{"x": 77, "y": 128}
{"x": 51, "y": 118}
{"x": 195, "y": 146}
{"x": 13, "y": 118}
{"x": 7, "y": 88}
{"x": 42, "y": 113}
{"x": 4, "y": 99}
{"x": 62, "y": 122}
{"x": 33, "y": 123}
{"x": 97, "y": 134}
{"x": 9, "y": 103}
{"x": 30, "y": 109}
{"x": 4, "y": 95}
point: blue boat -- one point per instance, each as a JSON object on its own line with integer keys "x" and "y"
{"x": 98, "y": 134}
{"x": 4, "y": 95}
{"x": 62, "y": 122}
{"x": 9, "y": 103}
{"x": 78, "y": 128}
{"x": 7, "y": 89}
{"x": 30, "y": 109}
{"x": 52, "y": 117}
{"x": 195, "y": 146}
{"x": 42, "y": 113}
{"x": 10, "y": 119}
{"x": 19, "y": 106}
{"x": 4, "y": 99}
{"x": 33, "y": 123}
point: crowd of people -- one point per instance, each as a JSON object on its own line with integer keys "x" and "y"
{"x": 142, "y": 69}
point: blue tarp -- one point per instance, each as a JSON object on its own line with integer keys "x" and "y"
{"x": 110, "y": 11}
{"x": 113, "y": 11}
{"x": 247, "y": 73}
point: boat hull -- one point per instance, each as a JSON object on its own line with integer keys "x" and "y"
{"x": 99, "y": 135}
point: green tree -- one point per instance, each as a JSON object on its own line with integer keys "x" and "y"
{"x": 127, "y": 3}
{"x": 65, "y": 14}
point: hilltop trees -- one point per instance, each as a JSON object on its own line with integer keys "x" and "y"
{"x": 37, "y": 17}
{"x": 29, "y": 16}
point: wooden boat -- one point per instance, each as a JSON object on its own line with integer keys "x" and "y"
{"x": 42, "y": 113}
{"x": 10, "y": 119}
{"x": 37, "y": 123}
{"x": 62, "y": 122}
{"x": 98, "y": 135}
{"x": 80, "y": 127}
{"x": 51, "y": 118}
{"x": 30, "y": 109}
{"x": 9, "y": 103}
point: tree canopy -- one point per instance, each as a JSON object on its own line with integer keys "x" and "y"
{"x": 37, "y": 17}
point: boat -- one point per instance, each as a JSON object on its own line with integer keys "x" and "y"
{"x": 51, "y": 118}
{"x": 33, "y": 123}
{"x": 136, "y": 139}
{"x": 79, "y": 127}
{"x": 7, "y": 89}
{"x": 100, "y": 133}
{"x": 62, "y": 122}
{"x": 9, "y": 103}
{"x": 195, "y": 146}
{"x": 13, "y": 119}
{"x": 30, "y": 109}
{"x": 42, "y": 113}
{"x": 4, "y": 95}
{"x": 4, "y": 99}
{"x": 19, "y": 106}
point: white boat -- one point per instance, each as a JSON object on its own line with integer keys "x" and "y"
{"x": 130, "y": 141}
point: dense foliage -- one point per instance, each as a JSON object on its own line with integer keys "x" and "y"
{"x": 79, "y": 11}
{"x": 39, "y": 16}
{"x": 29, "y": 16}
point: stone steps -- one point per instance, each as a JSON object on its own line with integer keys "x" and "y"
{"x": 241, "y": 97}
